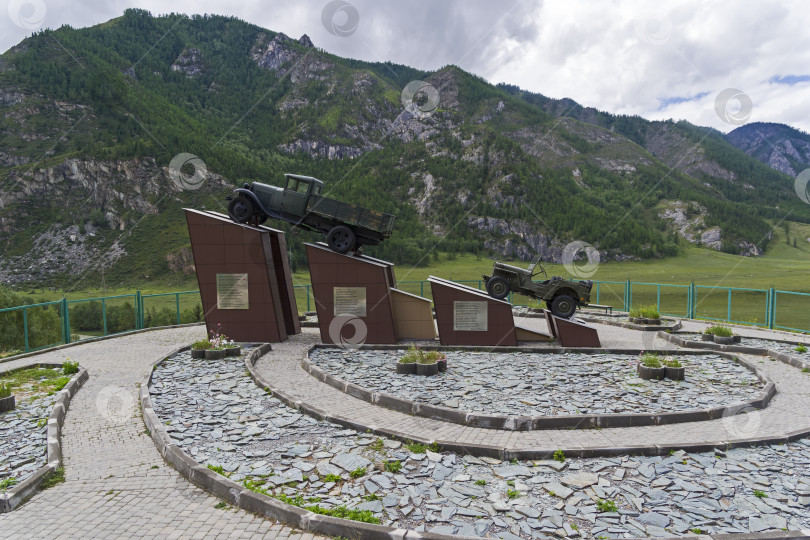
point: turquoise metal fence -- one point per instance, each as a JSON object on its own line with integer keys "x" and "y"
{"x": 38, "y": 326}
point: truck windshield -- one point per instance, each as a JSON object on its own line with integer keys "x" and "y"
{"x": 302, "y": 187}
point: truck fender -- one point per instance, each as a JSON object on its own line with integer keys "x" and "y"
{"x": 255, "y": 200}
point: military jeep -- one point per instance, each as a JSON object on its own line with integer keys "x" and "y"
{"x": 562, "y": 296}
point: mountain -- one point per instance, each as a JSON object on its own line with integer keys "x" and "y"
{"x": 780, "y": 147}
{"x": 98, "y": 124}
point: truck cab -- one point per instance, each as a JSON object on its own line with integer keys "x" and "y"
{"x": 297, "y": 192}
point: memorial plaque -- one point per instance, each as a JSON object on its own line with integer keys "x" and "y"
{"x": 350, "y": 301}
{"x": 469, "y": 316}
{"x": 232, "y": 291}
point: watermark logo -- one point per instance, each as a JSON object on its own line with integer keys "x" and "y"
{"x": 741, "y": 422}
{"x": 420, "y": 97}
{"x": 573, "y": 252}
{"x": 28, "y": 14}
{"x": 801, "y": 185}
{"x": 187, "y": 171}
{"x": 653, "y": 30}
{"x": 733, "y": 106}
{"x": 116, "y": 404}
{"x": 348, "y": 331}
{"x": 340, "y": 18}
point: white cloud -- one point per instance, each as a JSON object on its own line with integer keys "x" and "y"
{"x": 622, "y": 56}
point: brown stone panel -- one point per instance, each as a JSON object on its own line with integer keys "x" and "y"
{"x": 500, "y": 323}
{"x": 414, "y": 318}
{"x": 329, "y": 270}
{"x": 573, "y": 333}
{"x": 221, "y": 246}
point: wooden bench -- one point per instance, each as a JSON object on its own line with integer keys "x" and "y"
{"x": 608, "y": 309}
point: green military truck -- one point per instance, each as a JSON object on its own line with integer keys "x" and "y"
{"x": 562, "y": 296}
{"x": 347, "y": 226}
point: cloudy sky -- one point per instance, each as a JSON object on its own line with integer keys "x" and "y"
{"x": 717, "y": 63}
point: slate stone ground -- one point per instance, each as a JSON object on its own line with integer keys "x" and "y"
{"x": 117, "y": 485}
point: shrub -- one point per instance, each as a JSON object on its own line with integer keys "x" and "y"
{"x": 5, "y": 390}
{"x": 417, "y": 355}
{"x": 650, "y": 360}
{"x": 719, "y": 330}
{"x": 801, "y": 349}
{"x": 646, "y": 312}
{"x": 201, "y": 345}
{"x": 393, "y": 466}
{"x": 559, "y": 455}
{"x": 606, "y": 505}
{"x": 414, "y": 447}
{"x": 358, "y": 472}
{"x": 332, "y": 478}
{"x": 69, "y": 368}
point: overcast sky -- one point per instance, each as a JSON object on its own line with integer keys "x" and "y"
{"x": 630, "y": 57}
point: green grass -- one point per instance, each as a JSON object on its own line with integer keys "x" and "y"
{"x": 332, "y": 478}
{"x": 7, "y": 483}
{"x": 393, "y": 466}
{"x": 650, "y": 360}
{"x": 760, "y": 494}
{"x": 719, "y": 330}
{"x": 414, "y": 447}
{"x": 69, "y": 368}
{"x": 559, "y": 455}
{"x": 35, "y": 381}
{"x": 606, "y": 505}
{"x": 480, "y": 482}
{"x": 513, "y": 493}
{"x": 358, "y": 472}
{"x": 56, "y": 477}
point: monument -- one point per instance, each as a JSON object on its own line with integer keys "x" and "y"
{"x": 244, "y": 277}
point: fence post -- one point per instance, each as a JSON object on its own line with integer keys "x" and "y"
{"x": 772, "y": 310}
{"x": 66, "y": 320}
{"x": 104, "y": 315}
{"x": 728, "y": 316}
{"x": 138, "y": 311}
{"x": 25, "y": 328}
{"x": 308, "y": 298}
{"x": 177, "y": 301}
{"x": 422, "y": 288}
{"x": 597, "y": 292}
{"x": 693, "y": 313}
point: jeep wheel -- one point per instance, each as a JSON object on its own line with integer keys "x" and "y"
{"x": 498, "y": 287}
{"x": 240, "y": 209}
{"x": 563, "y": 306}
{"x": 340, "y": 239}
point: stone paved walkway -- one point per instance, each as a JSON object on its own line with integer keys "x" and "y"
{"x": 788, "y": 412}
{"x": 117, "y": 484}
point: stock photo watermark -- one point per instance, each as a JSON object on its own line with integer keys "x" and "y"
{"x": 574, "y": 252}
{"x": 28, "y": 14}
{"x": 348, "y": 331}
{"x": 420, "y": 98}
{"x": 653, "y": 30}
{"x": 187, "y": 171}
{"x": 801, "y": 185}
{"x": 340, "y": 18}
{"x": 116, "y": 404}
{"x": 733, "y": 106}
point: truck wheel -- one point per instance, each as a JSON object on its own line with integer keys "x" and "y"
{"x": 240, "y": 209}
{"x": 563, "y": 306}
{"x": 498, "y": 287}
{"x": 340, "y": 239}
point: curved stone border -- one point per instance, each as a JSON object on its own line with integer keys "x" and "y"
{"x": 15, "y": 496}
{"x": 782, "y": 357}
{"x": 533, "y": 423}
{"x": 634, "y": 326}
{"x": 93, "y": 340}
{"x": 257, "y": 503}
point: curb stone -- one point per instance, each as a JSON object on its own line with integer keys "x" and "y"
{"x": 535, "y": 423}
{"x": 20, "y": 493}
